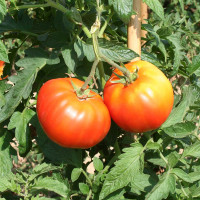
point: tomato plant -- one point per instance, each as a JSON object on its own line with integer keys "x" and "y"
{"x": 142, "y": 105}
{"x": 69, "y": 120}
{"x": 65, "y": 58}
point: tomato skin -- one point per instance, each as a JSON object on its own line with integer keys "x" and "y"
{"x": 143, "y": 105}
{"x": 2, "y": 63}
{"x": 69, "y": 121}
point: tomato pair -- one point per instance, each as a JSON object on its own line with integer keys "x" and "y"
{"x": 73, "y": 122}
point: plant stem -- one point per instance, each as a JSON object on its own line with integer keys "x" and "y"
{"x": 91, "y": 75}
{"x": 28, "y": 6}
{"x": 89, "y": 195}
{"x": 87, "y": 178}
{"x": 103, "y": 28}
{"x": 183, "y": 190}
{"x": 164, "y": 159}
{"x": 102, "y": 74}
{"x": 122, "y": 69}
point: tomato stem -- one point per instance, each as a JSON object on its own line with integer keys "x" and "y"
{"x": 101, "y": 74}
{"x": 91, "y": 75}
{"x": 125, "y": 71}
{"x": 87, "y": 178}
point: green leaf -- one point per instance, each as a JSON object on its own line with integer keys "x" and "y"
{"x": 196, "y": 193}
{"x": 23, "y": 85}
{"x": 5, "y": 152}
{"x": 20, "y": 121}
{"x": 5, "y": 184}
{"x": 98, "y": 164}
{"x": 130, "y": 163}
{"x": 3, "y": 51}
{"x": 124, "y": 9}
{"x": 2, "y": 10}
{"x": 139, "y": 183}
{"x": 178, "y": 113}
{"x": 156, "y": 6}
{"x": 173, "y": 158}
{"x": 70, "y": 58}
{"x": 161, "y": 190}
{"x": 54, "y": 152}
{"x": 194, "y": 176}
{"x": 180, "y": 130}
{"x": 194, "y": 67}
{"x": 42, "y": 169}
{"x": 84, "y": 188}
{"x": 50, "y": 184}
{"x": 114, "y": 50}
{"x": 176, "y": 41}
{"x": 153, "y": 146}
{"x": 117, "y": 195}
{"x": 182, "y": 175}
{"x": 76, "y": 172}
{"x": 192, "y": 150}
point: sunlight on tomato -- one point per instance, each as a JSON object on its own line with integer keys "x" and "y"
{"x": 144, "y": 104}
{"x": 68, "y": 120}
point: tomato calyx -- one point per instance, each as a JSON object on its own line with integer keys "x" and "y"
{"x": 126, "y": 80}
{"x": 81, "y": 94}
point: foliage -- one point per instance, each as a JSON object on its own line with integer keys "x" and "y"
{"x": 46, "y": 39}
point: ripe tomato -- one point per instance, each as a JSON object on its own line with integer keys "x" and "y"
{"x": 68, "y": 120}
{"x": 142, "y": 105}
{"x": 1, "y": 69}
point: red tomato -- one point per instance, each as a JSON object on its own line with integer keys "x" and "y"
{"x": 68, "y": 120}
{"x": 142, "y": 105}
{"x": 1, "y": 69}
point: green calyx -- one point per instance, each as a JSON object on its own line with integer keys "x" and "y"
{"x": 126, "y": 80}
{"x": 81, "y": 94}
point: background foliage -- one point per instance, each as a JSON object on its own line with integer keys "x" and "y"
{"x": 41, "y": 40}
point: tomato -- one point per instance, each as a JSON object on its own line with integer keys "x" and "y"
{"x": 142, "y": 105}
{"x": 1, "y": 69}
{"x": 68, "y": 120}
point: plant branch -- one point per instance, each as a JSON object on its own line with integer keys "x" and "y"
{"x": 122, "y": 69}
{"x": 87, "y": 178}
{"x": 101, "y": 74}
{"x": 163, "y": 158}
{"x": 28, "y": 6}
{"x": 103, "y": 28}
{"x": 91, "y": 75}
{"x": 89, "y": 195}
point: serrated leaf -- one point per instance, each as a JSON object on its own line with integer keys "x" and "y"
{"x": 50, "y": 184}
{"x": 113, "y": 50}
{"x": 3, "y": 51}
{"x": 182, "y": 175}
{"x": 5, "y": 152}
{"x": 5, "y": 184}
{"x": 178, "y": 113}
{"x": 139, "y": 183}
{"x": 194, "y": 176}
{"x": 192, "y": 150}
{"x": 180, "y": 130}
{"x": 2, "y": 10}
{"x": 41, "y": 169}
{"x": 173, "y": 159}
{"x": 194, "y": 67}
{"x": 20, "y": 121}
{"x": 156, "y": 6}
{"x": 76, "y": 172}
{"x": 161, "y": 190}
{"x": 23, "y": 85}
{"x": 176, "y": 41}
{"x": 84, "y": 188}
{"x": 123, "y": 8}
{"x": 70, "y": 58}
{"x": 117, "y": 195}
{"x": 196, "y": 193}
{"x": 153, "y": 146}
{"x": 98, "y": 164}
{"x": 129, "y": 164}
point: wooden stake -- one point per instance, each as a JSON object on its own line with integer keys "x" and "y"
{"x": 134, "y": 30}
{"x": 144, "y": 15}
